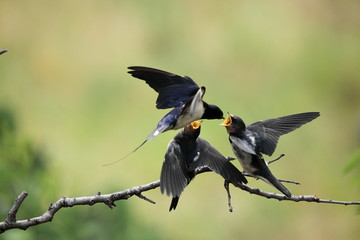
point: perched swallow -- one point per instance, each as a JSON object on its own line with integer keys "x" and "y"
{"x": 186, "y": 153}
{"x": 250, "y": 142}
{"x": 180, "y": 93}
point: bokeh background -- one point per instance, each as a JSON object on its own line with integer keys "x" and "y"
{"x": 67, "y": 106}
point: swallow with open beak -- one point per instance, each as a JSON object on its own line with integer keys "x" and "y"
{"x": 180, "y": 93}
{"x": 187, "y": 153}
{"x": 250, "y": 142}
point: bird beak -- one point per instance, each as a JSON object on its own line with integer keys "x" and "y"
{"x": 227, "y": 121}
{"x": 195, "y": 124}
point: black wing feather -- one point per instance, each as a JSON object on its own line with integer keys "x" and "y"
{"x": 267, "y": 132}
{"x": 173, "y": 178}
{"x": 174, "y": 90}
{"x": 214, "y": 160}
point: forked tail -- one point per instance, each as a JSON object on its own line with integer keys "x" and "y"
{"x": 150, "y": 137}
{"x": 107, "y": 164}
{"x": 174, "y": 203}
{"x": 268, "y": 177}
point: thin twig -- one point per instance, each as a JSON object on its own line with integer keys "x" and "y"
{"x": 289, "y": 181}
{"x": 269, "y": 162}
{"x": 3, "y": 51}
{"x": 139, "y": 195}
{"x": 281, "y": 180}
{"x": 278, "y": 158}
{"x": 226, "y": 186}
{"x": 303, "y": 198}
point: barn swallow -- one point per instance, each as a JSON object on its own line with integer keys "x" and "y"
{"x": 250, "y": 142}
{"x": 186, "y": 153}
{"x": 3, "y": 51}
{"x": 180, "y": 93}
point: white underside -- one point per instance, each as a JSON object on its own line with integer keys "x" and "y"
{"x": 245, "y": 160}
{"x": 194, "y": 112}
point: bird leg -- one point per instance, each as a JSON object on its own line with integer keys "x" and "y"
{"x": 226, "y": 186}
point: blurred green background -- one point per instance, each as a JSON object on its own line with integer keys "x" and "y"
{"x": 67, "y": 106}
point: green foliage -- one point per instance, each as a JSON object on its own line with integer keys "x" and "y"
{"x": 353, "y": 166}
{"x": 25, "y": 168}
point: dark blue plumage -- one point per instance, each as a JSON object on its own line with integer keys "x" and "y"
{"x": 180, "y": 93}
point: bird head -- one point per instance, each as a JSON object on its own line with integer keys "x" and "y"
{"x": 212, "y": 112}
{"x": 195, "y": 124}
{"x": 193, "y": 129}
{"x": 233, "y": 124}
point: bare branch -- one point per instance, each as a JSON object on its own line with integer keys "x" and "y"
{"x": 304, "y": 198}
{"x": 64, "y": 202}
{"x": 109, "y": 199}
{"x": 13, "y": 211}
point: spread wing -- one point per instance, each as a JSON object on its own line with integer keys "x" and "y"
{"x": 213, "y": 159}
{"x": 267, "y": 132}
{"x": 173, "y": 89}
{"x": 173, "y": 178}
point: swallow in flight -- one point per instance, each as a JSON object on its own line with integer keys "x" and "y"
{"x": 250, "y": 142}
{"x": 180, "y": 93}
{"x": 187, "y": 153}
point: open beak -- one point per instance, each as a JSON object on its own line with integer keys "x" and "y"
{"x": 227, "y": 121}
{"x": 195, "y": 124}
